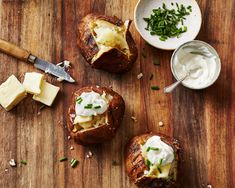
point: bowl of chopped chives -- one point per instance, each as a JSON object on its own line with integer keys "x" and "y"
{"x": 167, "y": 24}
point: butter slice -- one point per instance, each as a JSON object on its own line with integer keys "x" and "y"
{"x": 32, "y": 82}
{"x": 11, "y": 93}
{"x": 48, "y": 93}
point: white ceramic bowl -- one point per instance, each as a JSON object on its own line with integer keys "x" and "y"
{"x": 197, "y": 43}
{"x": 193, "y": 22}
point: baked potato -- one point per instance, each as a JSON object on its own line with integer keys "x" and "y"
{"x": 106, "y": 43}
{"x": 95, "y": 114}
{"x": 152, "y": 160}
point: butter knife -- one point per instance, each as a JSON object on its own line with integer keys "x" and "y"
{"x": 26, "y": 56}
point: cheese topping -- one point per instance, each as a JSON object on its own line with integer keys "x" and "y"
{"x": 158, "y": 155}
{"x": 109, "y": 36}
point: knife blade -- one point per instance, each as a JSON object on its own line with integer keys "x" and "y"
{"x": 53, "y": 69}
{"x": 24, "y": 55}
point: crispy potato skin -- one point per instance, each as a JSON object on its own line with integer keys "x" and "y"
{"x": 112, "y": 61}
{"x": 102, "y": 133}
{"x": 135, "y": 163}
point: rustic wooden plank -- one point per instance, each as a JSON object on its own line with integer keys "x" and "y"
{"x": 202, "y": 120}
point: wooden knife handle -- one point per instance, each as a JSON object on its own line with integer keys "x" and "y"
{"x": 14, "y": 50}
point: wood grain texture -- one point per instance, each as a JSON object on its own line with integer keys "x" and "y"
{"x": 203, "y": 121}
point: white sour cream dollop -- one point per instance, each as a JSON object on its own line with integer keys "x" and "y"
{"x": 203, "y": 68}
{"x": 160, "y": 152}
{"x": 93, "y": 98}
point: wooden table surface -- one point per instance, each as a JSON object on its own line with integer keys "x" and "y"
{"x": 203, "y": 121}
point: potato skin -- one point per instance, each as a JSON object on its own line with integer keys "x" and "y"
{"x": 102, "y": 133}
{"x": 112, "y": 61}
{"x": 135, "y": 163}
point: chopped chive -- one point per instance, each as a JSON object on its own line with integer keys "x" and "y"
{"x": 156, "y": 62}
{"x": 148, "y": 163}
{"x": 114, "y": 163}
{"x": 79, "y": 100}
{"x": 74, "y": 163}
{"x": 152, "y": 148}
{"x": 151, "y": 77}
{"x": 160, "y": 161}
{"x": 88, "y": 106}
{"x": 159, "y": 169}
{"x": 24, "y": 162}
{"x": 63, "y": 159}
{"x": 155, "y": 88}
{"x": 144, "y": 55}
{"x": 164, "y": 22}
{"x": 97, "y": 107}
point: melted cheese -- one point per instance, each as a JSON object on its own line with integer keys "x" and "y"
{"x": 109, "y": 36}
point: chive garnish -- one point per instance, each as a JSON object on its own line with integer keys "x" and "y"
{"x": 148, "y": 163}
{"x": 144, "y": 55}
{"x": 160, "y": 161}
{"x": 97, "y": 107}
{"x": 159, "y": 169}
{"x": 164, "y": 22}
{"x": 88, "y": 106}
{"x": 24, "y": 162}
{"x": 79, "y": 100}
{"x": 74, "y": 163}
{"x": 156, "y": 62}
{"x": 63, "y": 159}
{"x": 152, "y": 148}
{"x": 155, "y": 88}
{"x": 114, "y": 163}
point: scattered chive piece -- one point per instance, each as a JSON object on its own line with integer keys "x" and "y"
{"x": 24, "y": 162}
{"x": 156, "y": 62}
{"x": 155, "y": 88}
{"x": 144, "y": 55}
{"x": 63, "y": 159}
{"x": 74, "y": 163}
{"x": 164, "y": 22}
{"x": 148, "y": 163}
{"x": 159, "y": 169}
{"x": 151, "y": 77}
{"x": 152, "y": 148}
{"x": 79, "y": 100}
{"x": 160, "y": 161}
{"x": 97, "y": 107}
{"x": 88, "y": 106}
{"x": 114, "y": 163}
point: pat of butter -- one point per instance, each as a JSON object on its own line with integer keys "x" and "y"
{"x": 11, "y": 93}
{"x": 82, "y": 119}
{"x": 48, "y": 93}
{"x": 32, "y": 82}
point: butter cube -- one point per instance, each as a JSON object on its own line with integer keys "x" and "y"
{"x": 11, "y": 93}
{"x": 48, "y": 93}
{"x": 32, "y": 82}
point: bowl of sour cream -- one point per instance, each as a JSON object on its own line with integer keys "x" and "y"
{"x": 199, "y": 60}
